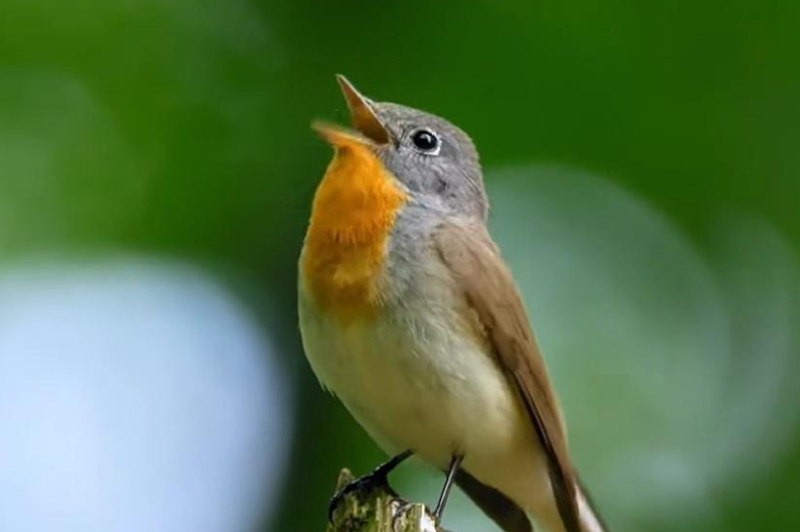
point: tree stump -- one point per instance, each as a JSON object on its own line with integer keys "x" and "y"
{"x": 379, "y": 510}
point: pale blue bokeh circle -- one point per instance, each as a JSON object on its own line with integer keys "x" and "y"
{"x": 135, "y": 396}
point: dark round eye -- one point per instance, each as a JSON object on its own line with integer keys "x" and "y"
{"x": 425, "y": 140}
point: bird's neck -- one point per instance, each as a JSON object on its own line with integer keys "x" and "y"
{"x": 354, "y": 209}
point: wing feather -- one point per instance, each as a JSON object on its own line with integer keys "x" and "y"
{"x": 488, "y": 285}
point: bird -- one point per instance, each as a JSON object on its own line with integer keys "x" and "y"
{"x": 410, "y": 316}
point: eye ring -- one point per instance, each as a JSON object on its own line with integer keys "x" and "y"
{"x": 426, "y": 141}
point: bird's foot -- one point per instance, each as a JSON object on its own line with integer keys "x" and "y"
{"x": 368, "y": 483}
{"x": 378, "y": 479}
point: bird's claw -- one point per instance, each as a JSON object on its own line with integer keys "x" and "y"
{"x": 369, "y": 482}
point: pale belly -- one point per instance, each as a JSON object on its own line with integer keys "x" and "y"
{"x": 415, "y": 383}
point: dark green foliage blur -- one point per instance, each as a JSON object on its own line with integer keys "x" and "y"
{"x": 181, "y": 127}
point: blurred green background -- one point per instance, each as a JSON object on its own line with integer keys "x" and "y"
{"x": 643, "y": 159}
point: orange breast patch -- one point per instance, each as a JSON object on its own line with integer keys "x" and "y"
{"x": 352, "y": 215}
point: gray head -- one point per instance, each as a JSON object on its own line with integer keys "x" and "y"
{"x": 434, "y": 159}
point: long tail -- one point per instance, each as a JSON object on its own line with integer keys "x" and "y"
{"x": 590, "y": 517}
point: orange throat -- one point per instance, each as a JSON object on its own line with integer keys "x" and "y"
{"x": 352, "y": 216}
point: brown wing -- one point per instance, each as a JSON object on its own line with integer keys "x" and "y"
{"x": 489, "y": 288}
{"x": 502, "y": 510}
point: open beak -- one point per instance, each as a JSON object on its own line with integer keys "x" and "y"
{"x": 362, "y": 114}
{"x": 362, "y": 117}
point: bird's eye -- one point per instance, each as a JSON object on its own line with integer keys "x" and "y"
{"x": 425, "y": 141}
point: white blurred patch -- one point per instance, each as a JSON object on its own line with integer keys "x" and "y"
{"x": 676, "y": 370}
{"x": 135, "y": 396}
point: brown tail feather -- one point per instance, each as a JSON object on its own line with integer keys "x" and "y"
{"x": 501, "y": 509}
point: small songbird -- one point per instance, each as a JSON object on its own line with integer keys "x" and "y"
{"x": 411, "y": 317}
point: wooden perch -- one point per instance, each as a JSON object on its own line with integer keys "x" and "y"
{"x": 379, "y": 510}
